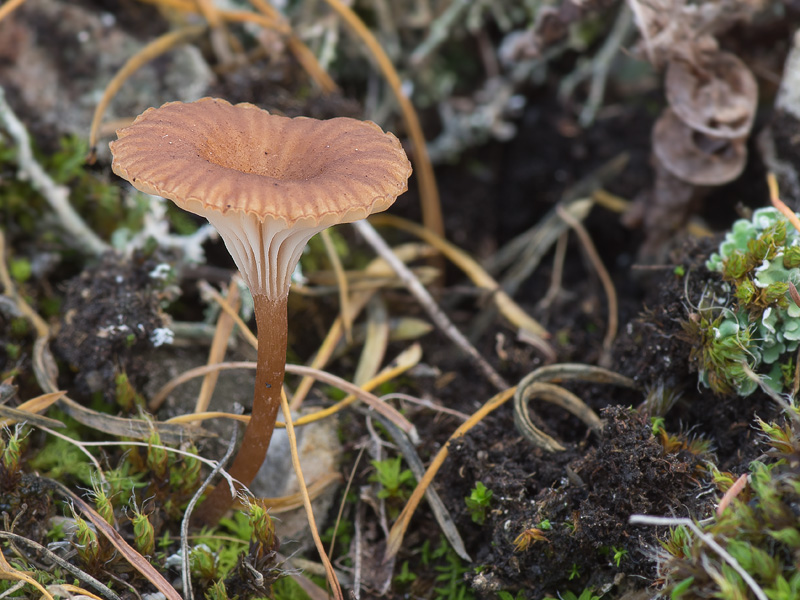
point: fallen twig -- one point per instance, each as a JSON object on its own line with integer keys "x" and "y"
{"x": 424, "y": 298}
{"x": 709, "y": 540}
{"x": 41, "y": 551}
{"x": 186, "y": 576}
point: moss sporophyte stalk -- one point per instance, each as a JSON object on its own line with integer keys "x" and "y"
{"x": 751, "y": 319}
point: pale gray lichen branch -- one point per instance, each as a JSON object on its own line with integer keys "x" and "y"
{"x": 155, "y": 226}
{"x": 708, "y": 540}
{"x": 80, "y": 236}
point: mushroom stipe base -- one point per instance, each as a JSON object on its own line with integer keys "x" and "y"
{"x": 272, "y": 324}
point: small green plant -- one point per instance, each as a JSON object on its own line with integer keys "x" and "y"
{"x": 618, "y": 555}
{"x": 478, "y": 502}
{"x": 574, "y": 572}
{"x": 395, "y": 482}
{"x": 751, "y": 320}
{"x": 759, "y": 529}
{"x": 143, "y": 533}
{"x": 217, "y": 591}
{"x": 86, "y": 544}
{"x": 128, "y": 399}
{"x": 405, "y": 576}
{"x": 20, "y": 269}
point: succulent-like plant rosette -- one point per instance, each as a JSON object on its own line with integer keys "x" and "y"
{"x": 754, "y": 319}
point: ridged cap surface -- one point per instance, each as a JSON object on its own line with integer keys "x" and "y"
{"x": 212, "y": 155}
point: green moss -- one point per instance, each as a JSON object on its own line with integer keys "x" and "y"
{"x": 751, "y": 319}
{"x": 759, "y": 529}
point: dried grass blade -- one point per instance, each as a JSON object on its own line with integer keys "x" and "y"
{"x": 605, "y": 278}
{"x": 398, "y": 530}
{"x": 405, "y": 253}
{"x": 373, "y": 401}
{"x": 9, "y": 573}
{"x": 376, "y": 342}
{"x": 65, "y": 589}
{"x": 510, "y": 309}
{"x": 427, "y": 302}
{"x": 341, "y": 281}
{"x": 9, "y": 7}
{"x": 440, "y": 512}
{"x": 28, "y": 409}
{"x": 402, "y": 363}
{"x": 14, "y": 415}
{"x": 156, "y": 48}
{"x": 132, "y": 428}
{"x": 282, "y": 504}
{"x": 248, "y": 335}
{"x": 219, "y": 345}
{"x": 331, "y": 575}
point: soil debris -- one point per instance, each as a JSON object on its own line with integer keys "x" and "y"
{"x": 581, "y": 520}
{"x": 111, "y": 318}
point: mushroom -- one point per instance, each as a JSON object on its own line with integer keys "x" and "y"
{"x": 716, "y": 95}
{"x": 695, "y": 157}
{"x": 268, "y": 183}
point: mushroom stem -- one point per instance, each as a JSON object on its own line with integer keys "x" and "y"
{"x": 272, "y": 339}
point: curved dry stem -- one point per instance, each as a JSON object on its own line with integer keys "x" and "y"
{"x": 341, "y": 281}
{"x": 405, "y": 361}
{"x": 605, "y": 278}
{"x": 333, "y": 581}
{"x": 428, "y": 192}
{"x": 9, "y": 7}
{"x": 157, "y": 47}
{"x": 539, "y": 385}
{"x": 555, "y": 395}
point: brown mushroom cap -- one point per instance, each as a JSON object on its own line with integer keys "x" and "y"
{"x": 694, "y": 157}
{"x": 222, "y": 157}
{"x": 266, "y": 182}
{"x": 717, "y": 95}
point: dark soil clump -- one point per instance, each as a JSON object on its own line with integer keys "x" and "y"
{"x": 575, "y": 533}
{"x": 111, "y": 317}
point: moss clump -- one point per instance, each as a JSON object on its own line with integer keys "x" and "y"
{"x": 752, "y": 321}
{"x": 759, "y": 529}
